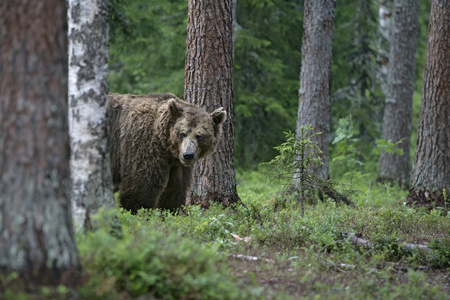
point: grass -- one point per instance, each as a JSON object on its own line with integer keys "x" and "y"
{"x": 197, "y": 255}
{"x": 297, "y": 257}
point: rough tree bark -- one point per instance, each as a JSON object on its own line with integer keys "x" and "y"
{"x": 209, "y": 82}
{"x": 315, "y": 77}
{"x": 88, "y": 102}
{"x": 36, "y": 234}
{"x": 431, "y": 169}
{"x": 398, "y": 110}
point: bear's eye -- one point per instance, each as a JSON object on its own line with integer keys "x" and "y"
{"x": 200, "y": 139}
{"x": 182, "y": 136}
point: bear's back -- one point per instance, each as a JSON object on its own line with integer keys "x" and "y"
{"x": 148, "y": 103}
{"x": 129, "y": 100}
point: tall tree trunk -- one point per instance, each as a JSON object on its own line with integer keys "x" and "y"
{"x": 315, "y": 77}
{"x": 88, "y": 102}
{"x": 398, "y": 109}
{"x": 431, "y": 169}
{"x": 36, "y": 234}
{"x": 209, "y": 82}
{"x": 385, "y": 25}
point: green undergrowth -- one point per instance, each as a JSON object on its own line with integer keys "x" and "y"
{"x": 149, "y": 255}
{"x": 266, "y": 250}
{"x": 262, "y": 252}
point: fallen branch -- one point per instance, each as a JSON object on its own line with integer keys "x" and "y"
{"x": 346, "y": 267}
{"x": 413, "y": 247}
{"x": 362, "y": 243}
{"x": 250, "y": 258}
{"x": 359, "y": 242}
{"x": 335, "y": 195}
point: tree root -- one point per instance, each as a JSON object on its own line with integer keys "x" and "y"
{"x": 428, "y": 199}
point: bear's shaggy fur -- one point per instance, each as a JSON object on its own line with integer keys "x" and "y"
{"x": 154, "y": 142}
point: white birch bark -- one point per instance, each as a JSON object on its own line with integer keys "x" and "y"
{"x": 88, "y": 102}
{"x": 385, "y": 25}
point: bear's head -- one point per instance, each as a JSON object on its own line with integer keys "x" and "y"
{"x": 195, "y": 132}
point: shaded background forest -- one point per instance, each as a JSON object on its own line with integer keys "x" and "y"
{"x": 147, "y": 53}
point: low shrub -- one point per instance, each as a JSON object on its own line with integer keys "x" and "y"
{"x": 145, "y": 261}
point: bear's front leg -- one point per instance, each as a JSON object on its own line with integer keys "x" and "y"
{"x": 143, "y": 191}
{"x": 174, "y": 195}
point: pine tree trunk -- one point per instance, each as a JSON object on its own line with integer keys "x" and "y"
{"x": 88, "y": 102}
{"x": 398, "y": 109}
{"x": 315, "y": 77}
{"x": 431, "y": 169}
{"x": 36, "y": 234}
{"x": 209, "y": 83}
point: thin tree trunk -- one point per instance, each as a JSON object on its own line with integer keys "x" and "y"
{"x": 385, "y": 25}
{"x": 398, "y": 109}
{"x": 88, "y": 102}
{"x": 36, "y": 234}
{"x": 235, "y": 25}
{"x": 431, "y": 169}
{"x": 315, "y": 77}
{"x": 209, "y": 83}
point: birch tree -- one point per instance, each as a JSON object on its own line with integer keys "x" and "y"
{"x": 385, "y": 25}
{"x": 88, "y": 102}
{"x": 36, "y": 234}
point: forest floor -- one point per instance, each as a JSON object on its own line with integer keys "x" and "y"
{"x": 267, "y": 250}
{"x": 337, "y": 267}
{"x": 328, "y": 280}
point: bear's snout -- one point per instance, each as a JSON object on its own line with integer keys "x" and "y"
{"x": 188, "y": 156}
{"x": 188, "y": 151}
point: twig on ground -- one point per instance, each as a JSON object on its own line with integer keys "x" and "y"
{"x": 250, "y": 258}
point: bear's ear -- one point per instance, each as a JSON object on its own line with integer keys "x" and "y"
{"x": 219, "y": 116}
{"x": 175, "y": 109}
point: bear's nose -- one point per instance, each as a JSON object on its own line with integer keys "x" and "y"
{"x": 188, "y": 155}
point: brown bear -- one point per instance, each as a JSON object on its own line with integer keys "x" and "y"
{"x": 154, "y": 142}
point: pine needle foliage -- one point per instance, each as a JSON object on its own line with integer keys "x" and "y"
{"x": 292, "y": 165}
